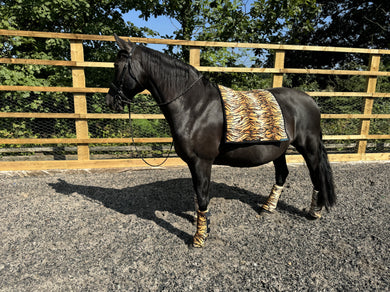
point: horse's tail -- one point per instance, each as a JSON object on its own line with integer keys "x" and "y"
{"x": 327, "y": 194}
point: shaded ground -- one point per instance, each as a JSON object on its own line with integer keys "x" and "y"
{"x": 129, "y": 230}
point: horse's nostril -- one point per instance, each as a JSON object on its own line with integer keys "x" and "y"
{"x": 109, "y": 100}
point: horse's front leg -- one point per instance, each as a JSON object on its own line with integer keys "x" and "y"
{"x": 201, "y": 172}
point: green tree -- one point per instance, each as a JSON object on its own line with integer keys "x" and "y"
{"x": 74, "y": 16}
{"x": 282, "y": 21}
{"x": 346, "y": 23}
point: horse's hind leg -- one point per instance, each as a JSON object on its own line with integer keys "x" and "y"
{"x": 281, "y": 173}
{"x": 313, "y": 150}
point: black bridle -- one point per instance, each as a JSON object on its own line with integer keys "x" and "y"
{"x": 119, "y": 95}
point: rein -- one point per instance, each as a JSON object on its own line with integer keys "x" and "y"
{"x": 136, "y": 149}
{"x": 120, "y": 96}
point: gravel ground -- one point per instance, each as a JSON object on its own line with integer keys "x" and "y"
{"x": 129, "y": 230}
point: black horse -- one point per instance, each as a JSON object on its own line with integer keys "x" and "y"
{"x": 192, "y": 106}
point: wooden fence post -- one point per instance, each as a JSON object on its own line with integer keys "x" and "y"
{"x": 369, "y": 101}
{"x": 80, "y": 100}
{"x": 277, "y": 79}
{"x": 195, "y": 56}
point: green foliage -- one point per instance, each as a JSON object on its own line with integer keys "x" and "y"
{"x": 281, "y": 21}
{"x": 75, "y": 16}
{"x": 348, "y": 23}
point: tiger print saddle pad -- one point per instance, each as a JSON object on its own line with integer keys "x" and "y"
{"x": 252, "y": 116}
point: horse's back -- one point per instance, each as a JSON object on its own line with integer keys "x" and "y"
{"x": 296, "y": 101}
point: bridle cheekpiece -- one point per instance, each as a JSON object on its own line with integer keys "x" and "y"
{"x": 119, "y": 95}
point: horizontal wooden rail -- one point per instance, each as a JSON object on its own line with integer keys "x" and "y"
{"x": 80, "y": 116}
{"x": 356, "y": 137}
{"x": 79, "y": 141}
{"x": 347, "y": 94}
{"x": 56, "y": 63}
{"x": 355, "y": 116}
{"x": 87, "y": 164}
{"x": 156, "y": 116}
{"x": 171, "y": 162}
{"x": 107, "y": 148}
{"x": 88, "y": 37}
{"x": 290, "y": 71}
{"x": 58, "y": 89}
{"x": 333, "y": 72}
{"x": 53, "y": 89}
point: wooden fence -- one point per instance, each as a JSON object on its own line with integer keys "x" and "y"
{"x": 81, "y": 115}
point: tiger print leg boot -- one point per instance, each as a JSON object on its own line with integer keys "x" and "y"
{"x": 315, "y": 210}
{"x": 203, "y": 228}
{"x": 273, "y": 198}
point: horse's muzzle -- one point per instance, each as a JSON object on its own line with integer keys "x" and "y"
{"x": 114, "y": 103}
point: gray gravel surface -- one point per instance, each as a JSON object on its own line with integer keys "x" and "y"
{"x": 129, "y": 230}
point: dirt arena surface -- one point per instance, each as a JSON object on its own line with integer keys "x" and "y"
{"x": 129, "y": 230}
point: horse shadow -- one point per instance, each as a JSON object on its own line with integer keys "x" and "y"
{"x": 173, "y": 196}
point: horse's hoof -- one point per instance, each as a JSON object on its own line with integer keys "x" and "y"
{"x": 265, "y": 212}
{"x": 311, "y": 216}
{"x": 199, "y": 240}
{"x": 198, "y": 244}
{"x": 194, "y": 245}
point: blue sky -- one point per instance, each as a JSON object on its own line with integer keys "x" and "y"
{"x": 162, "y": 24}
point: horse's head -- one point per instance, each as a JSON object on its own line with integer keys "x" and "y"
{"x": 126, "y": 85}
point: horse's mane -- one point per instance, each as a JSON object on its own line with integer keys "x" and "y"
{"x": 174, "y": 73}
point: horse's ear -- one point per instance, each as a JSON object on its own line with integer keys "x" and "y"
{"x": 123, "y": 45}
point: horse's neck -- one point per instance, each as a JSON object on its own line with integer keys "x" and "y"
{"x": 175, "y": 100}
{"x": 163, "y": 89}
{"x": 163, "y": 93}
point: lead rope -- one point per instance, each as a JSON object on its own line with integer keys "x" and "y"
{"x": 135, "y": 146}
{"x": 158, "y": 104}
